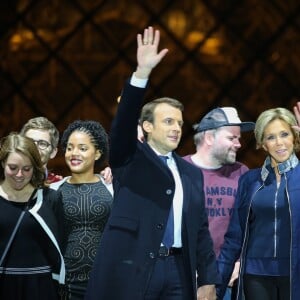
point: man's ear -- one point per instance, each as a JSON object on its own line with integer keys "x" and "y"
{"x": 209, "y": 138}
{"x": 147, "y": 126}
{"x": 53, "y": 153}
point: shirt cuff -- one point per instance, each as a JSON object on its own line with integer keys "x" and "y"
{"x": 138, "y": 82}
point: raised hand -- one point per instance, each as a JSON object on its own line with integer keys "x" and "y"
{"x": 148, "y": 56}
{"x": 297, "y": 115}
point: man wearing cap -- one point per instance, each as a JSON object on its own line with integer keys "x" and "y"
{"x": 217, "y": 141}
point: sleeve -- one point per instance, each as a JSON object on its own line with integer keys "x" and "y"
{"x": 54, "y": 200}
{"x": 123, "y": 134}
{"x": 138, "y": 82}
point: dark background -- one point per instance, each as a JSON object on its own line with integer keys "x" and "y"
{"x": 68, "y": 60}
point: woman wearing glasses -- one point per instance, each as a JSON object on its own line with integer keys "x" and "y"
{"x": 30, "y": 219}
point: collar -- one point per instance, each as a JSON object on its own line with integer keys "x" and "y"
{"x": 283, "y": 167}
{"x": 169, "y": 154}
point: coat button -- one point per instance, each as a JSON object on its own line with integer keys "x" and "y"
{"x": 168, "y": 192}
{"x": 159, "y": 226}
{"x": 151, "y": 255}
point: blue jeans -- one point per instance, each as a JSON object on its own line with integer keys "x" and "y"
{"x": 227, "y": 295}
{"x": 231, "y": 293}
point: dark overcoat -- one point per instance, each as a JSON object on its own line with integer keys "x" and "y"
{"x": 143, "y": 193}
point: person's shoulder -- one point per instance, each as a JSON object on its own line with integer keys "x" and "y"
{"x": 251, "y": 174}
{"x": 253, "y": 171}
{"x": 188, "y": 158}
{"x": 56, "y": 185}
{"x": 297, "y": 168}
{"x": 47, "y": 196}
{"x": 187, "y": 165}
{"x": 48, "y": 192}
{"x": 240, "y": 165}
{"x": 237, "y": 167}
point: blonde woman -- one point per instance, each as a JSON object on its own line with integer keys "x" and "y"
{"x": 264, "y": 229}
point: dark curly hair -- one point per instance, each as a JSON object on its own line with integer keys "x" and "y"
{"x": 95, "y": 130}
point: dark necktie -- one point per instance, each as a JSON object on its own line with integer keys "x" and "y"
{"x": 168, "y": 239}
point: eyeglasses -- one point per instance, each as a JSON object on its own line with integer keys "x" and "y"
{"x": 42, "y": 144}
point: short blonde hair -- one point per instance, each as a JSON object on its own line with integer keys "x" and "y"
{"x": 266, "y": 117}
{"x": 42, "y": 123}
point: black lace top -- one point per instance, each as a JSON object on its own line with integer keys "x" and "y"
{"x": 86, "y": 209}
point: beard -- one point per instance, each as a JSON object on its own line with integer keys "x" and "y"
{"x": 224, "y": 157}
